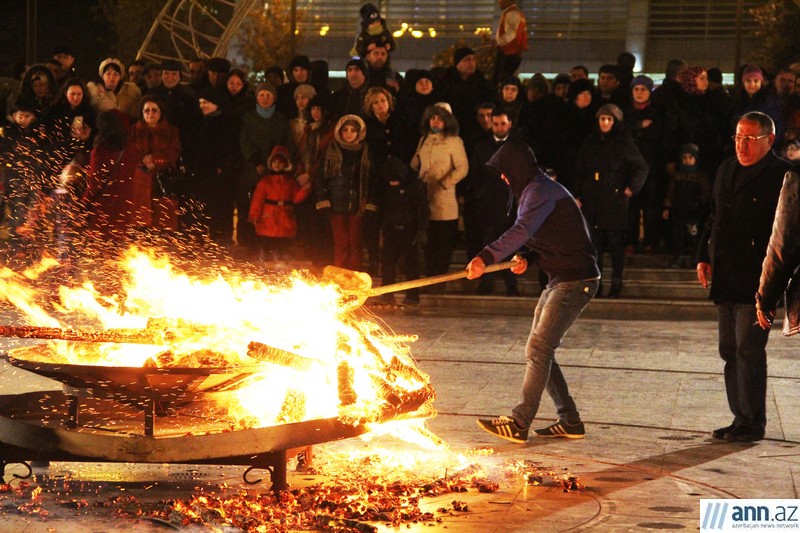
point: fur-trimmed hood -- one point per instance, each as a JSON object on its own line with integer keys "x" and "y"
{"x": 450, "y": 122}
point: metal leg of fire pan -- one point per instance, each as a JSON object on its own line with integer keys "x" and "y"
{"x": 275, "y": 464}
{"x": 149, "y": 418}
{"x": 4, "y": 463}
{"x": 279, "y": 471}
{"x": 73, "y": 404}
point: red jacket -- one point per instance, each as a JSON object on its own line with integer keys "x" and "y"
{"x": 117, "y": 196}
{"x": 272, "y": 206}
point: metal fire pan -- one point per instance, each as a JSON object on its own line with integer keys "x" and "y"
{"x": 168, "y": 385}
{"x": 26, "y": 433}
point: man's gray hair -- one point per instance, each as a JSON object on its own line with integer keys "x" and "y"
{"x": 765, "y": 124}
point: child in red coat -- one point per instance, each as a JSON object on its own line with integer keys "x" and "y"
{"x": 272, "y": 206}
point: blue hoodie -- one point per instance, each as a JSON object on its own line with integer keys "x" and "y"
{"x": 549, "y": 222}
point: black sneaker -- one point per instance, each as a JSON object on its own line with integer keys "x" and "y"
{"x": 562, "y": 429}
{"x": 505, "y": 428}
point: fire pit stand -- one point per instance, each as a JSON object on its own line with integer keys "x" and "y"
{"x": 37, "y": 426}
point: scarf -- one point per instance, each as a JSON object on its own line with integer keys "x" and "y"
{"x": 265, "y": 112}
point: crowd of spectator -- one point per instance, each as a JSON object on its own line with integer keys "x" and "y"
{"x": 385, "y": 170}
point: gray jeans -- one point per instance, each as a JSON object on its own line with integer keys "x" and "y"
{"x": 559, "y": 306}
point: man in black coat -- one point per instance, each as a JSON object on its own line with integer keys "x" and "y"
{"x": 732, "y": 248}
{"x": 464, "y": 87}
{"x": 182, "y": 109}
{"x": 492, "y": 200}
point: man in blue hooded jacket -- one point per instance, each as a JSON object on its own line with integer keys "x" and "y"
{"x": 550, "y": 225}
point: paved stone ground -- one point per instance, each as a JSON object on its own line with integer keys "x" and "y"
{"x": 649, "y": 393}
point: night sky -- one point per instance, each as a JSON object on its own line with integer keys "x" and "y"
{"x": 71, "y": 22}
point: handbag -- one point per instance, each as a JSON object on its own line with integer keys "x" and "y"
{"x": 173, "y": 181}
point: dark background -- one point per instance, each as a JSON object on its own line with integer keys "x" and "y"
{"x": 76, "y": 23}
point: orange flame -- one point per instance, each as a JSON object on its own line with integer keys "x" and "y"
{"x": 326, "y": 348}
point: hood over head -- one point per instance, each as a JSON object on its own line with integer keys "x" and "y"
{"x": 518, "y": 162}
{"x": 281, "y": 152}
{"x": 394, "y": 169}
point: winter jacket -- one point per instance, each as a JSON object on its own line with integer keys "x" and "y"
{"x": 181, "y": 110}
{"x": 441, "y": 162}
{"x": 117, "y": 197}
{"x": 347, "y": 185}
{"x": 607, "y": 165}
{"x": 162, "y": 142}
{"x": 734, "y": 240}
{"x": 548, "y": 221}
{"x": 405, "y": 205}
{"x": 780, "y": 268}
{"x": 126, "y": 99}
{"x": 272, "y": 206}
{"x": 687, "y": 195}
{"x": 257, "y": 137}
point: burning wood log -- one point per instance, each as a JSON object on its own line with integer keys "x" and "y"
{"x": 124, "y": 335}
{"x": 270, "y": 354}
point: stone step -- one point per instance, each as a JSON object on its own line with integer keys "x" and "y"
{"x": 616, "y": 309}
{"x": 636, "y": 260}
{"x": 640, "y": 289}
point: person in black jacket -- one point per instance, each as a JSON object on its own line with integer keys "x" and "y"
{"x": 492, "y": 202}
{"x": 611, "y": 170}
{"x": 404, "y": 224}
{"x": 208, "y": 158}
{"x": 732, "y": 249}
{"x": 463, "y": 86}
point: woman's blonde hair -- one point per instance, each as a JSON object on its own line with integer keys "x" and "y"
{"x": 372, "y": 95}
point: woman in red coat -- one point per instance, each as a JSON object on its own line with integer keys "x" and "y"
{"x": 159, "y": 145}
{"x": 272, "y": 208}
{"x": 114, "y": 191}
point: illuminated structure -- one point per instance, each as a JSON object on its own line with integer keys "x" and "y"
{"x": 563, "y": 32}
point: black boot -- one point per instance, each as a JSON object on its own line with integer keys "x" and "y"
{"x": 616, "y": 288}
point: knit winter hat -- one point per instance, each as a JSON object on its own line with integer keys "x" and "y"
{"x": 211, "y": 94}
{"x": 690, "y": 148}
{"x": 322, "y": 101}
{"x": 112, "y": 62}
{"x": 356, "y": 63}
{"x": 149, "y": 67}
{"x": 610, "y": 110}
{"x": 752, "y": 71}
{"x": 688, "y": 79}
{"x": 445, "y": 106}
{"x": 300, "y": 61}
{"x": 579, "y": 86}
{"x": 171, "y": 64}
{"x": 306, "y": 90}
{"x": 510, "y": 80}
{"x": 218, "y": 64}
{"x": 461, "y": 53}
{"x": 647, "y": 81}
{"x": 25, "y": 105}
{"x": 562, "y": 79}
{"x": 267, "y": 86}
{"x": 540, "y": 83}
